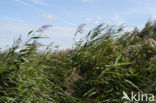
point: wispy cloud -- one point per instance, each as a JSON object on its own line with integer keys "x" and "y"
{"x": 60, "y": 35}
{"x": 87, "y": 0}
{"x": 144, "y": 6}
{"x": 96, "y": 20}
{"x": 24, "y": 3}
{"x": 116, "y": 19}
{"x": 88, "y": 20}
{"x": 151, "y": 10}
{"x": 48, "y": 16}
{"x": 40, "y": 2}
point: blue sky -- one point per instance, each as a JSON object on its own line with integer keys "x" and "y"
{"x": 20, "y": 16}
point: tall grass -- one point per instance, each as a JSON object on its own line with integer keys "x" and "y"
{"x": 98, "y": 69}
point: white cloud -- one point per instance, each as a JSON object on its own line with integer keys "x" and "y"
{"x": 88, "y": 20}
{"x": 48, "y": 16}
{"x": 24, "y": 3}
{"x": 87, "y": 0}
{"x": 151, "y": 11}
{"x": 99, "y": 18}
{"x": 10, "y": 30}
{"x": 96, "y": 20}
{"x": 116, "y": 19}
{"x": 146, "y": 7}
{"x": 40, "y": 2}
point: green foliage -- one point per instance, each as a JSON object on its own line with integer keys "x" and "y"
{"x": 97, "y": 70}
{"x": 111, "y": 61}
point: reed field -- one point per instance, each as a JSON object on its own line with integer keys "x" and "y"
{"x": 98, "y": 69}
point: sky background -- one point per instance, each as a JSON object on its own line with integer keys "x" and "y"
{"x": 18, "y": 17}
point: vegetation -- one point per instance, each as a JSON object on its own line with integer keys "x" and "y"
{"x": 99, "y": 67}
